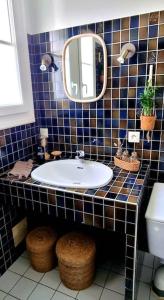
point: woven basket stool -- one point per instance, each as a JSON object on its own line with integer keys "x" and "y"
{"x": 76, "y": 257}
{"x": 40, "y": 244}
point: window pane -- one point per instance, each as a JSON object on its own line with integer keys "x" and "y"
{"x": 88, "y": 68}
{"x": 9, "y": 79}
{"x": 5, "y": 34}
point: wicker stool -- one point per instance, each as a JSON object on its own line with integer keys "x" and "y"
{"x": 40, "y": 244}
{"x": 76, "y": 258}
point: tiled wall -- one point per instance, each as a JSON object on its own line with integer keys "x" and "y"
{"x": 96, "y": 126}
{"x": 16, "y": 143}
{"x": 9, "y": 216}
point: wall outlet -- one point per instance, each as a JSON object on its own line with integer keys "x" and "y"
{"x": 133, "y": 136}
{"x": 44, "y": 132}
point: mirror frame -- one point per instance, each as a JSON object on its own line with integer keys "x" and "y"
{"x": 105, "y": 66}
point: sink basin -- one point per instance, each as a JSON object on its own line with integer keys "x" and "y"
{"x": 73, "y": 173}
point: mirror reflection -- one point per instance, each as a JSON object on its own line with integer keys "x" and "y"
{"x": 85, "y": 68}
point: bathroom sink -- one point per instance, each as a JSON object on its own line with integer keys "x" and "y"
{"x": 73, "y": 173}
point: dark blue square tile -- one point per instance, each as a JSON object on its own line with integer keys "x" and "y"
{"x": 132, "y": 81}
{"x": 108, "y": 38}
{"x": 107, "y": 26}
{"x": 161, "y": 43}
{"x": 122, "y": 197}
{"x": 142, "y": 57}
{"x": 123, "y": 93}
{"x": 92, "y": 27}
{"x": 115, "y": 71}
{"x": 76, "y": 30}
{"x": 134, "y": 21}
{"x": 123, "y": 114}
{"x": 153, "y": 31}
{"x": 142, "y": 45}
{"x": 116, "y": 25}
{"x": 115, "y": 82}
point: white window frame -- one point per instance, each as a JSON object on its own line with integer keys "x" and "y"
{"x": 16, "y": 115}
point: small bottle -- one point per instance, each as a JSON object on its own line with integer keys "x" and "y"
{"x": 119, "y": 150}
{"x": 40, "y": 151}
{"x": 125, "y": 156}
{"x": 134, "y": 156}
{"x": 119, "y": 153}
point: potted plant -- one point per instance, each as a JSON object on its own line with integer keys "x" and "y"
{"x": 148, "y": 116}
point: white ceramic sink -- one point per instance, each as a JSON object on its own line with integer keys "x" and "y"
{"x": 73, "y": 173}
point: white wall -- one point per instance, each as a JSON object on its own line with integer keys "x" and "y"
{"x": 47, "y": 15}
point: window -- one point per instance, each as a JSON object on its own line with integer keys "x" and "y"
{"x": 16, "y": 104}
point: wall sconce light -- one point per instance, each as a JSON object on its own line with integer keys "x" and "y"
{"x": 47, "y": 61}
{"x": 127, "y": 51}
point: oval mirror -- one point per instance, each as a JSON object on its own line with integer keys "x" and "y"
{"x": 85, "y": 67}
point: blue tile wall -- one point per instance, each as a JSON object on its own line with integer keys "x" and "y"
{"x": 16, "y": 143}
{"x": 97, "y": 126}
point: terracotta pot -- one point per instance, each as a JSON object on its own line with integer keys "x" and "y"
{"x": 147, "y": 122}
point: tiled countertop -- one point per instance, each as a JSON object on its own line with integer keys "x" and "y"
{"x": 114, "y": 207}
{"x": 124, "y": 187}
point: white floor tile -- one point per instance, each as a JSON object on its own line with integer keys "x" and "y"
{"x": 60, "y": 296}
{"x": 143, "y": 291}
{"x": 20, "y": 265}
{"x": 33, "y": 275}
{"x": 101, "y": 276}
{"x": 62, "y": 288}
{"x": 8, "y": 280}
{"x": 2, "y": 295}
{"x": 116, "y": 282}
{"x": 146, "y": 274}
{"x": 110, "y": 295}
{"x": 10, "y": 298}
{"x": 23, "y": 288}
{"x": 41, "y": 292}
{"x": 92, "y": 293}
{"x": 51, "y": 279}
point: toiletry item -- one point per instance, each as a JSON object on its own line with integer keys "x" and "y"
{"x": 134, "y": 156}
{"x": 43, "y": 143}
{"x": 125, "y": 155}
{"x": 40, "y": 150}
{"x": 46, "y": 156}
{"x": 56, "y": 154}
{"x": 119, "y": 150}
{"x": 119, "y": 153}
{"x": 40, "y": 154}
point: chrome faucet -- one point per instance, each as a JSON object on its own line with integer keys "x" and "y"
{"x": 80, "y": 154}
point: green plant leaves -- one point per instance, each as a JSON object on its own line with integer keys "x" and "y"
{"x": 147, "y": 100}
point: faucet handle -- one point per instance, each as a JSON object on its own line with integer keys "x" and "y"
{"x": 80, "y": 153}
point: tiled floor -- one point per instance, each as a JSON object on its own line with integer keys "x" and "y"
{"x": 20, "y": 281}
